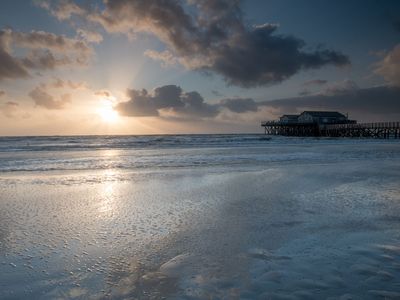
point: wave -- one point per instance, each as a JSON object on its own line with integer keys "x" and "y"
{"x": 77, "y": 153}
{"x": 81, "y": 143}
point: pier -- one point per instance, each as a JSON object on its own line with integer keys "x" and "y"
{"x": 382, "y": 130}
{"x": 329, "y": 124}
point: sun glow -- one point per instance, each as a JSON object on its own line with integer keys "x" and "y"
{"x": 107, "y": 112}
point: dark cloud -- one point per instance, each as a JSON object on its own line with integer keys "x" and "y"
{"x": 211, "y": 35}
{"x": 261, "y": 57}
{"x": 139, "y": 105}
{"x": 369, "y": 104}
{"x": 2, "y": 93}
{"x": 377, "y": 103}
{"x": 194, "y": 106}
{"x": 316, "y": 82}
{"x": 10, "y": 67}
{"x": 168, "y": 96}
{"x": 170, "y": 99}
{"x": 41, "y": 97}
{"x": 44, "y": 60}
{"x": 239, "y": 105}
{"x": 45, "y": 51}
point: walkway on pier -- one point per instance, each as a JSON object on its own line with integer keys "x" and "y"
{"x": 382, "y": 130}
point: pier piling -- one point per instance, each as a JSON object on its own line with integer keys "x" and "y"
{"x": 380, "y": 130}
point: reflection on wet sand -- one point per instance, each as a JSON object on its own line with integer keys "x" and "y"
{"x": 295, "y": 230}
{"x": 107, "y": 203}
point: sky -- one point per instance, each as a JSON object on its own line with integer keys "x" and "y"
{"x": 193, "y": 66}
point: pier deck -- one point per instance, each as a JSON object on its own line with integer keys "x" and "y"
{"x": 383, "y": 130}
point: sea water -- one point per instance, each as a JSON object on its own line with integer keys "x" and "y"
{"x": 199, "y": 217}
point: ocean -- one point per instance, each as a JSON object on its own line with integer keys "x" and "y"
{"x": 239, "y": 216}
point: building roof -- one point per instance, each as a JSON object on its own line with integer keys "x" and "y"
{"x": 290, "y": 116}
{"x": 326, "y": 114}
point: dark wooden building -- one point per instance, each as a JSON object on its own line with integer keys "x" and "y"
{"x": 323, "y": 117}
{"x": 329, "y": 124}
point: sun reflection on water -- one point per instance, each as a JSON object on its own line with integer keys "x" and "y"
{"x": 107, "y": 205}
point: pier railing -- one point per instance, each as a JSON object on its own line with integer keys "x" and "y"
{"x": 378, "y": 125}
{"x": 371, "y": 130}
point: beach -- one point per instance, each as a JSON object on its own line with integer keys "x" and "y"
{"x": 199, "y": 217}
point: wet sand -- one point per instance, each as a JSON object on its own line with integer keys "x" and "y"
{"x": 286, "y": 230}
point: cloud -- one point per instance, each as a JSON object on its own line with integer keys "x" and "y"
{"x": 338, "y": 88}
{"x": 44, "y": 60}
{"x": 9, "y": 109}
{"x": 64, "y": 9}
{"x": 42, "y": 98}
{"x": 103, "y": 93}
{"x": 239, "y": 105}
{"x": 389, "y": 67}
{"x": 169, "y": 99}
{"x": 195, "y": 107}
{"x": 139, "y": 105}
{"x": 166, "y": 57}
{"x": 304, "y": 92}
{"x": 60, "y": 83}
{"x": 44, "y": 51}
{"x": 216, "y": 93}
{"x": 316, "y": 82}
{"x": 45, "y": 40}
{"x": 341, "y": 87}
{"x": 376, "y": 103}
{"x": 171, "y": 102}
{"x": 210, "y": 35}
{"x": 90, "y": 36}
{"x": 10, "y": 67}
{"x": 2, "y": 93}
{"x": 12, "y": 110}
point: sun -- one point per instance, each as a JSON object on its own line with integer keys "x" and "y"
{"x": 107, "y": 113}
